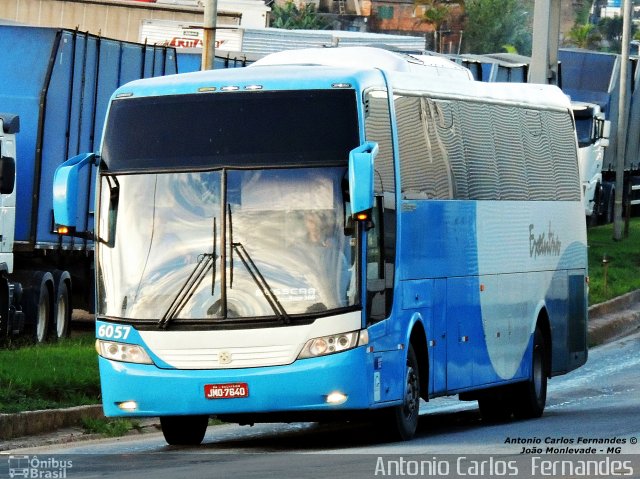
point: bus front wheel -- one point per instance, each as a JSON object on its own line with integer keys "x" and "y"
{"x": 184, "y": 430}
{"x": 402, "y": 420}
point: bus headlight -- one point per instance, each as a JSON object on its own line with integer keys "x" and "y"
{"x": 128, "y": 353}
{"x": 334, "y": 343}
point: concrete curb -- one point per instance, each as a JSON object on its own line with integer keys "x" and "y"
{"x": 607, "y": 320}
{"x": 614, "y": 318}
{"x": 29, "y": 423}
{"x": 616, "y": 305}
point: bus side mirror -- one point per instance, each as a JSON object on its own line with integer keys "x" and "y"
{"x": 7, "y": 175}
{"x": 65, "y": 194}
{"x": 361, "y": 177}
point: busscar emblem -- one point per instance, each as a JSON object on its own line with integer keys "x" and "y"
{"x": 224, "y": 357}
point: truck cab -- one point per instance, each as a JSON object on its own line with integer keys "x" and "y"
{"x": 11, "y": 317}
{"x": 9, "y": 126}
{"x": 592, "y": 131}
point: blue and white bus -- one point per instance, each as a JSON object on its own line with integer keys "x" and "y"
{"x": 331, "y": 232}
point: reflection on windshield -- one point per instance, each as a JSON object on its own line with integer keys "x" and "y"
{"x": 288, "y": 222}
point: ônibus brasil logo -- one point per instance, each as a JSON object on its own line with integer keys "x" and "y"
{"x": 41, "y": 468}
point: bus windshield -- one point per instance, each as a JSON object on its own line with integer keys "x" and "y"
{"x": 226, "y": 244}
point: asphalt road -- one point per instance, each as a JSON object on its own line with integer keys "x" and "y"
{"x": 596, "y": 407}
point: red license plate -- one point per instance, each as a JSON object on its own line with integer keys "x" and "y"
{"x": 226, "y": 391}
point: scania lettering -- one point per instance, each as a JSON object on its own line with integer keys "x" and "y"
{"x": 341, "y": 233}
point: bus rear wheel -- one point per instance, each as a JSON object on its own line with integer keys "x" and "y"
{"x": 530, "y": 398}
{"x": 184, "y": 430}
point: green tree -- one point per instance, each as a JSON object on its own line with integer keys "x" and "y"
{"x": 291, "y": 16}
{"x": 611, "y": 31}
{"x": 435, "y": 12}
{"x": 584, "y": 36}
{"x": 491, "y": 24}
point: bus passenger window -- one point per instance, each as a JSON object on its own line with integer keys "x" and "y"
{"x": 381, "y": 240}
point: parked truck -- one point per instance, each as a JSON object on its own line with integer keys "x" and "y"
{"x": 11, "y": 319}
{"x": 56, "y": 85}
{"x": 593, "y": 131}
{"x": 594, "y": 78}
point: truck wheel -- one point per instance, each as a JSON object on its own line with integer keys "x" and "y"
{"x": 597, "y": 206}
{"x": 607, "y": 203}
{"x": 184, "y": 430}
{"x": 63, "y": 307}
{"x": 38, "y": 307}
{"x": 4, "y": 309}
{"x": 530, "y": 398}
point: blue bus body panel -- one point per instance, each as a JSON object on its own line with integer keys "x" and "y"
{"x": 282, "y": 78}
{"x": 478, "y": 289}
{"x": 59, "y": 82}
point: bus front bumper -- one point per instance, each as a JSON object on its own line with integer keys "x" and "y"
{"x": 138, "y": 390}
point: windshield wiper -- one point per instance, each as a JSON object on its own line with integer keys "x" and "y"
{"x": 266, "y": 290}
{"x": 253, "y": 270}
{"x": 206, "y": 263}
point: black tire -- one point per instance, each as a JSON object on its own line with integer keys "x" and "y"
{"x": 611, "y": 207}
{"x": 38, "y": 305}
{"x": 184, "y": 430}
{"x": 530, "y": 398}
{"x": 401, "y": 422}
{"x": 608, "y": 203}
{"x": 4, "y": 309}
{"x": 593, "y": 220}
{"x": 63, "y": 306}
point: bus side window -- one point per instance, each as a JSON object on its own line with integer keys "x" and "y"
{"x": 381, "y": 239}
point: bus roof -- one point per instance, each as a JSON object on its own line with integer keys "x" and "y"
{"x": 332, "y": 68}
{"x": 369, "y": 57}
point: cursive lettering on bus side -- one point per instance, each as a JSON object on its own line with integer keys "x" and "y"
{"x": 543, "y": 244}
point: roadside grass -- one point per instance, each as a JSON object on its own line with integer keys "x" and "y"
{"x": 621, "y": 272}
{"x": 109, "y": 427}
{"x": 45, "y": 376}
{"x": 65, "y": 373}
